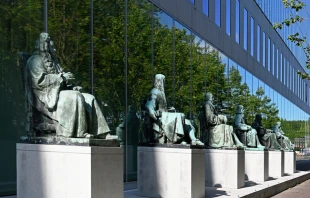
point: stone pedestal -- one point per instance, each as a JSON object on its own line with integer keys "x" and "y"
{"x": 49, "y": 171}
{"x": 256, "y": 166}
{"x": 276, "y": 164}
{"x": 289, "y": 162}
{"x": 224, "y": 168}
{"x": 171, "y": 172}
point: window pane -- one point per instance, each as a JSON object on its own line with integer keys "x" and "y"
{"x": 268, "y": 54}
{"x": 264, "y": 49}
{"x": 228, "y": 17}
{"x": 237, "y": 21}
{"x": 252, "y": 36}
{"x": 258, "y": 43}
{"x": 218, "y": 12}
{"x": 245, "y": 29}
{"x": 193, "y": 1}
{"x": 205, "y": 7}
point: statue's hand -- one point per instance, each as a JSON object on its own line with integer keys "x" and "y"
{"x": 68, "y": 76}
{"x": 77, "y": 88}
{"x": 223, "y": 119}
{"x": 171, "y": 109}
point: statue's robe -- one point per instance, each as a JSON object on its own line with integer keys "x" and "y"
{"x": 215, "y": 134}
{"x": 241, "y": 127}
{"x": 167, "y": 124}
{"x": 74, "y": 113}
{"x": 266, "y": 136}
{"x": 284, "y": 141}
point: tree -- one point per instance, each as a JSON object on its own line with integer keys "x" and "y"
{"x": 298, "y": 40}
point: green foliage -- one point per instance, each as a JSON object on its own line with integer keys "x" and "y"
{"x": 295, "y": 38}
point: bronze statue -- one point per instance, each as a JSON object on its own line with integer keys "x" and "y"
{"x": 56, "y": 104}
{"x": 247, "y": 135}
{"x": 284, "y": 141}
{"x": 266, "y": 136}
{"x": 161, "y": 124}
{"x": 214, "y": 131}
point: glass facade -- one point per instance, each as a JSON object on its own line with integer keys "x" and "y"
{"x": 115, "y": 48}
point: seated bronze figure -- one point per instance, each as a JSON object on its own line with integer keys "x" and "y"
{"x": 53, "y": 103}
{"x": 163, "y": 124}
{"x": 266, "y": 136}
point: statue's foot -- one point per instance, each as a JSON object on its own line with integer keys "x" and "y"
{"x": 260, "y": 146}
{"x": 87, "y": 135}
{"x": 183, "y": 143}
{"x": 197, "y": 142}
{"x": 111, "y": 137}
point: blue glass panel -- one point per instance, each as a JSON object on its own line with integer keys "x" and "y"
{"x": 218, "y": 12}
{"x": 228, "y": 17}
{"x": 205, "y": 7}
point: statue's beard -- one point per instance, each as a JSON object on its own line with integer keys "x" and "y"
{"x": 160, "y": 87}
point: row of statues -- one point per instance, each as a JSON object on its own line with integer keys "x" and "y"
{"x": 55, "y": 104}
{"x": 163, "y": 125}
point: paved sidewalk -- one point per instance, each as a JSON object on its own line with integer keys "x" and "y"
{"x": 299, "y": 191}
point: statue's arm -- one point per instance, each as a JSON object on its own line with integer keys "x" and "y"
{"x": 151, "y": 106}
{"x": 212, "y": 119}
{"x": 46, "y": 86}
{"x": 239, "y": 123}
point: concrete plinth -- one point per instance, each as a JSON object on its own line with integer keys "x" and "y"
{"x": 225, "y": 168}
{"x": 256, "y": 166}
{"x": 276, "y": 164}
{"x": 49, "y": 171}
{"x": 289, "y": 162}
{"x": 171, "y": 172}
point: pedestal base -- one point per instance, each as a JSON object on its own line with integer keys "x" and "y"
{"x": 49, "y": 171}
{"x": 171, "y": 172}
{"x": 276, "y": 164}
{"x": 256, "y": 166}
{"x": 225, "y": 168}
{"x": 289, "y": 162}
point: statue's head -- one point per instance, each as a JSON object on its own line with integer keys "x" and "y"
{"x": 159, "y": 82}
{"x": 239, "y": 109}
{"x": 209, "y": 97}
{"x": 258, "y": 117}
{"x": 278, "y": 124}
{"x": 45, "y": 44}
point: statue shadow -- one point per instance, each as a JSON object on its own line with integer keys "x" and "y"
{"x": 215, "y": 191}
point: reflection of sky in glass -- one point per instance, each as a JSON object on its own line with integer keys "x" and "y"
{"x": 193, "y": 1}
{"x": 249, "y": 79}
{"x": 242, "y": 73}
{"x": 245, "y": 29}
{"x": 237, "y": 20}
{"x": 269, "y": 53}
{"x": 258, "y": 43}
{"x": 205, "y": 7}
{"x": 224, "y": 60}
{"x": 255, "y": 84}
{"x": 228, "y": 17}
{"x": 252, "y": 36}
{"x": 218, "y": 12}
{"x": 281, "y": 67}
{"x": 165, "y": 19}
{"x": 181, "y": 27}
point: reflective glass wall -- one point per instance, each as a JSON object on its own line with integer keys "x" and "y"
{"x": 115, "y": 48}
